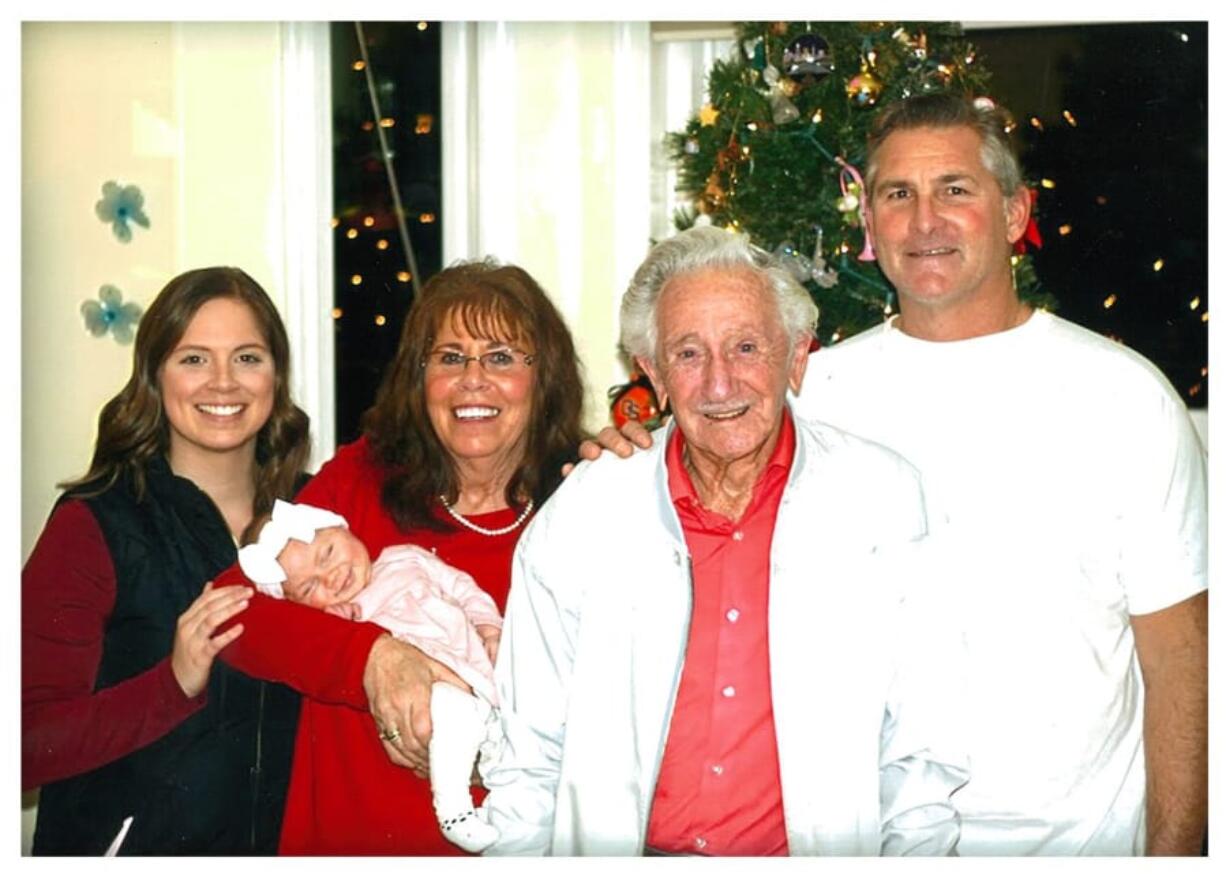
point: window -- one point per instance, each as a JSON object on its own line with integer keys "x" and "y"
{"x": 1120, "y": 154}
{"x": 374, "y": 274}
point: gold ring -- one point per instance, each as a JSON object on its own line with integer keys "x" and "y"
{"x": 389, "y": 737}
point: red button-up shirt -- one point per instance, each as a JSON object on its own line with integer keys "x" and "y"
{"x": 718, "y": 792}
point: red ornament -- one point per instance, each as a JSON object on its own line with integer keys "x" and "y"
{"x": 1031, "y": 234}
{"x": 635, "y": 401}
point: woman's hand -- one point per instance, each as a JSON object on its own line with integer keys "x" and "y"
{"x": 398, "y": 678}
{"x": 195, "y": 645}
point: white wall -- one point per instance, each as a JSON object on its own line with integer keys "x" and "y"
{"x": 98, "y": 103}
{"x": 206, "y": 119}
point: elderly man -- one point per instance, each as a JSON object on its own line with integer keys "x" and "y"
{"x": 704, "y": 650}
{"x": 1065, "y": 489}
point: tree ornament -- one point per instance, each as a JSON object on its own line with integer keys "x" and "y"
{"x": 806, "y": 60}
{"x": 864, "y": 88}
{"x": 729, "y": 156}
{"x": 985, "y": 103}
{"x": 782, "y": 108}
{"x": 796, "y": 263}
{"x": 1031, "y": 235}
{"x": 917, "y": 55}
{"x": 779, "y": 28}
{"x": 708, "y": 114}
{"x": 713, "y": 195}
{"x": 691, "y": 146}
{"x": 944, "y": 72}
{"x": 852, "y": 186}
{"x": 755, "y": 52}
{"x": 635, "y": 401}
{"x": 849, "y": 205}
{"x": 824, "y": 276}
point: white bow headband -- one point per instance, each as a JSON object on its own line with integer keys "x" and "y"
{"x": 259, "y": 560}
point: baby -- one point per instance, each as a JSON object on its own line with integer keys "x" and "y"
{"x": 308, "y": 555}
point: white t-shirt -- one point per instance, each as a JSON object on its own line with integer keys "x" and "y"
{"x": 1065, "y": 488}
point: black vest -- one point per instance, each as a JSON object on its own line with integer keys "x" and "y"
{"x": 215, "y": 784}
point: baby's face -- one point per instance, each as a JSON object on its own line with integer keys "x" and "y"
{"x": 331, "y": 569}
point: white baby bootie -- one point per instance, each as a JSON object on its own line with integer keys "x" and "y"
{"x": 468, "y": 831}
{"x": 459, "y": 729}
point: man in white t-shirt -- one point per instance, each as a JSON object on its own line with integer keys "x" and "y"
{"x": 1066, "y": 498}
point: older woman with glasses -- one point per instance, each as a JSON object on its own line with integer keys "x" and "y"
{"x": 468, "y": 434}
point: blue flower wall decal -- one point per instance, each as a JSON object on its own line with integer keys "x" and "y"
{"x": 110, "y": 314}
{"x": 119, "y": 206}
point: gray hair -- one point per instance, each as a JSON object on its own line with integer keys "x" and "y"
{"x": 947, "y": 109}
{"x": 697, "y": 249}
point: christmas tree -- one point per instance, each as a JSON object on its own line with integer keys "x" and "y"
{"x": 777, "y": 153}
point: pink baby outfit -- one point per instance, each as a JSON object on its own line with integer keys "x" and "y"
{"x": 421, "y": 600}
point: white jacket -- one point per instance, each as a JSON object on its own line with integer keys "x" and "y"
{"x": 596, "y": 628}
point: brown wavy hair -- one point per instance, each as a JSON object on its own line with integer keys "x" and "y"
{"x": 491, "y": 302}
{"x": 133, "y": 428}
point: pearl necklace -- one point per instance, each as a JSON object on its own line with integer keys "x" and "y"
{"x": 464, "y": 521}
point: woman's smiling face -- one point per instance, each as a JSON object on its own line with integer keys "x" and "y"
{"x": 217, "y": 383}
{"x": 479, "y": 414}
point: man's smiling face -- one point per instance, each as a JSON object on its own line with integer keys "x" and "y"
{"x": 942, "y": 229}
{"x": 725, "y": 362}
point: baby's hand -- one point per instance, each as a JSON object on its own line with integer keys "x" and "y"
{"x": 347, "y": 610}
{"x": 490, "y": 636}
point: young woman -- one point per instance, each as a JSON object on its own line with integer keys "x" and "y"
{"x": 124, "y": 713}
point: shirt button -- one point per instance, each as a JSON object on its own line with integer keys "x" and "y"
{"x": 732, "y": 615}
{"x": 729, "y": 691}
{"x": 718, "y": 769}
{"x": 738, "y": 536}
{"x": 700, "y": 843}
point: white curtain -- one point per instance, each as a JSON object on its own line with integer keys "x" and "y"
{"x": 543, "y": 165}
{"x": 304, "y": 258}
{"x": 678, "y": 89}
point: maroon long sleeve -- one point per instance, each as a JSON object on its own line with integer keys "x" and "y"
{"x": 315, "y": 653}
{"x": 67, "y": 594}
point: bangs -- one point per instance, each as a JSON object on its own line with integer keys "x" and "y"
{"x": 486, "y": 317}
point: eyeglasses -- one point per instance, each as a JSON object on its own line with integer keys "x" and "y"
{"x": 501, "y": 361}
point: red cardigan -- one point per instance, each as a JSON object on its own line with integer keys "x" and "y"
{"x": 345, "y": 796}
